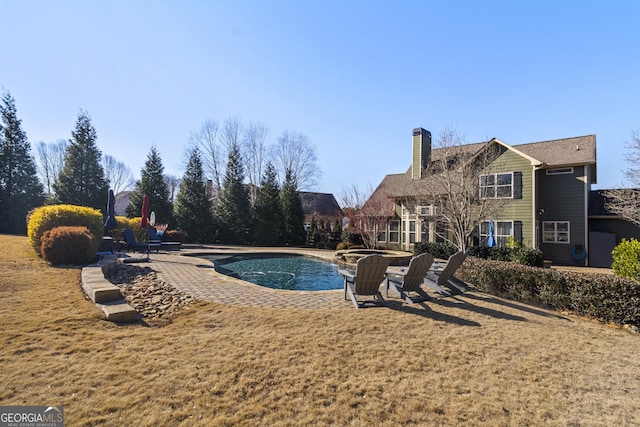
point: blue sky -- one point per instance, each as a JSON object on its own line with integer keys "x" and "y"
{"x": 354, "y": 76}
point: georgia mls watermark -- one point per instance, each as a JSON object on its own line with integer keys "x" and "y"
{"x": 31, "y": 416}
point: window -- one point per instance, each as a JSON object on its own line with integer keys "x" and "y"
{"x": 424, "y": 210}
{"x": 394, "y": 235}
{"x": 424, "y": 231}
{"x": 563, "y": 171}
{"x": 502, "y": 230}
{"x": 382, "y": 237}
{"x": 412, "y": 232}
{"x": 555, "y": 231}
{"x": 496, "y": 186}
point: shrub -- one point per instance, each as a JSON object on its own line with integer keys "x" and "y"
{"x": 524, "y": 256}
{"x": 68, "y": 245}
{"x": 346, "y": 245}
{"x": 605, "y": 297}
{"x": 46, "y": 218}
{"x": 626, "y": 259}
{"x": 352, "y": 238}
{"x": 174, "y": 236}
{"x": 527, "y": 256}
{"x": 512, "y": 243}
{"x": 132, "y": 223}
{"x": 438, "y": 250}
{"x": 342, "y": 245}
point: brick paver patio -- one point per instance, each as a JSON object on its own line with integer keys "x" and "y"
{"x": 196, "y": 276}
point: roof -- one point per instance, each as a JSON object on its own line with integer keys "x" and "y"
{"x": 573, "y": 151}
{"x": 579, "y": 150}
{"x": 320, "y": 204}
{"x": 598, "y": 203}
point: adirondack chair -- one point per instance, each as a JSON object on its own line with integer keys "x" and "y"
{"x": 444, "y": 276}
{"x": 370, "y": 273}
{"x": 409, "y": 281}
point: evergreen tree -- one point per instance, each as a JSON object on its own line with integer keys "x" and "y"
{"x": 153, "y": 185}
{"x": 233, "y": 212}
{"x": 193, "y": 209}
{"x": 81, "y": 181}
{"x": 20, "y": 189}
{"x": 292, "y": 212}
{"x": 268, "y": 227}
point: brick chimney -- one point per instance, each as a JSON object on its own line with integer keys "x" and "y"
{"x": 421, "y": 152}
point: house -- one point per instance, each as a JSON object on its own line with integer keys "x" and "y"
{"x": 321, "y": 207}
{"x": 542, "y": 188}
{"x": 606, "y": 230}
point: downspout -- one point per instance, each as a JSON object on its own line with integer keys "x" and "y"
{"x": 534, "y": 206}
{"x": 587, "y": 174}
{"x": 534, "y": 210}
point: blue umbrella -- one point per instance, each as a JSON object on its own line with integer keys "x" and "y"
{"x": 110, "y": 223}
{"x": 491, "y": 240}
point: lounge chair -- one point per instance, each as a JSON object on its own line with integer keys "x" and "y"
{"x": 370, "y": 273}
{"x": 409, "y": 280}
{"x": 154, "y": 237}
{"x": 131, "y": 243}
{"x": 443, "y": 276}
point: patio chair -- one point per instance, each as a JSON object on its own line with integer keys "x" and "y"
{"x": 154, "y": 237}
{"x": 370, "y": 272}
{"x": 131, "y": 243}
{"x": 443, "y": 276}
{"x": 409, "y": 281}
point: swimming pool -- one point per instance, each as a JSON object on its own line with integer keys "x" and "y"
{"x": 281, "y": 271}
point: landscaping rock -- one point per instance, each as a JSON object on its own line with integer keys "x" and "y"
{"x": 148, "y": 295}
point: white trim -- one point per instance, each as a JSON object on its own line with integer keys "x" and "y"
{"x": 555, "y": 232}
{"x": 587, "y": 187}
{"x": 495, "y": 185}
{"x": 534, "y": 162}
{"x": 495, "y": 228}
{"x": 560, "y": 171}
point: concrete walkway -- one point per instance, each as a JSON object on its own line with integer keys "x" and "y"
{"x": 188, "y": 272}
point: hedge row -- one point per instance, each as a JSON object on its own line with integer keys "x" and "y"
{"x": 605, "y": 297}
{"x": 438, "y": 250}
{"x": 525, "y": 256}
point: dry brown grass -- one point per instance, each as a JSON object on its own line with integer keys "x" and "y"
{"x": 472, "y": 360}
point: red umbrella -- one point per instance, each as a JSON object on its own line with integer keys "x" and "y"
{"x": 144, "y": 222}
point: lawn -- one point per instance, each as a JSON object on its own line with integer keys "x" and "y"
{"x": 471, "y": 360}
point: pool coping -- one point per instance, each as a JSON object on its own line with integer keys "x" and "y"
{"x": 189, "y": 272}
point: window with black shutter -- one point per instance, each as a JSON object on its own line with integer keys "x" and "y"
{"x": 517, "y": 185}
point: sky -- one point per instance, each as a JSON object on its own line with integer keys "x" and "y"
{"x": 355, "y": 77}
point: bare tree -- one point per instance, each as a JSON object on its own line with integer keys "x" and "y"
{"x": 214, "y": 154}
{"x": 255, "y": 155}
{"x": 452, "y": 185}
{"x": 214, "y": 142}
{"x": 50, "y": 161}
{"x": 118, "y": 174}
{"x": 173, "y": 183}
{"x": 294, "y": 152}
{"x": 367, "y": 212}
{"x": 231, "y": 135}
{"x": 625, "y": 202}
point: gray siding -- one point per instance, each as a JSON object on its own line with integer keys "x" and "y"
{"x": 563, "y": 199}
{"x": 622, "y": 229}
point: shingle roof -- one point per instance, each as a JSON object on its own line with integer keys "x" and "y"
{"x": 580, "y": 150}
{"x": 598, "y": 203}
{"x": 321, "y": 204}
{"x": 560, "y": 152}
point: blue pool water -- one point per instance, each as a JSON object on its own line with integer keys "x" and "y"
{"x": 281, "y": 271}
